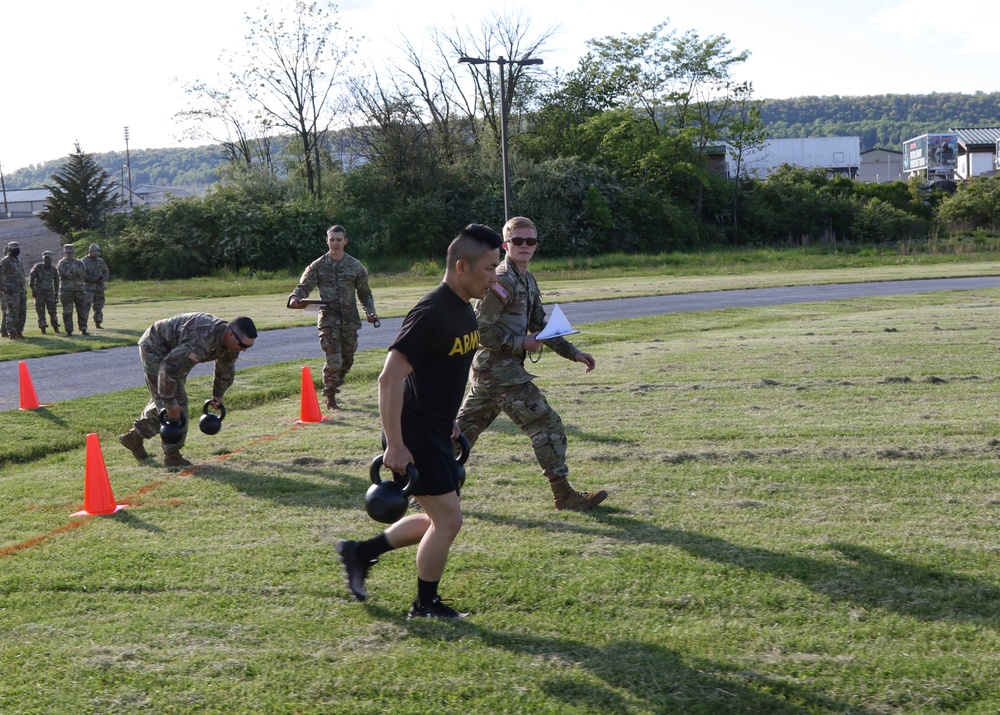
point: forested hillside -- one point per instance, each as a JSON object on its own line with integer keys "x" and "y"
{"x": 159, "y": 167}
{"x": 881, "y": 120}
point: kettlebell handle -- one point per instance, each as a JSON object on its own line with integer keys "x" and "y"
{"x": 164, "y": 420}
{"x": 412, "y": 476}
{"x": 463, "y": 442}
{"x": 222, "y": 409}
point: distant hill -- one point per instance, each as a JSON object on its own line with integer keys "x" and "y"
{"x": 158, "y": 167}
{"x": 884, "y": 120}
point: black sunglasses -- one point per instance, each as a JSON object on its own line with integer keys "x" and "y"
{"x": 517, "y": 241}
{"x": 241, "y": 343}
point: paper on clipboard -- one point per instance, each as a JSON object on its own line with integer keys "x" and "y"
{"x": 557, "y": 326}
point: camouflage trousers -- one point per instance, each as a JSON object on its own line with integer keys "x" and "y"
{"x": 15, "y": 307}
{"x": 46, "y": 301}
{"x": 74, "y": 298}
{"x": 148, "y": 424}
{"x": 339, "y": 344}
{"x": 95, "y": 301}
{"x": 527, "y": 407}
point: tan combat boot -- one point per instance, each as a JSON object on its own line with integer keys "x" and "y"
{"x": 568, "y": 498}
{"x": 132, "y": 441}
{"x": 174, "y": 460}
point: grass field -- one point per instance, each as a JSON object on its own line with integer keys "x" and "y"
{"x": 803, "y": 519}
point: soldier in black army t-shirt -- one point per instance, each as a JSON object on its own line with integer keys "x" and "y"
{"x": 420, "y": 390}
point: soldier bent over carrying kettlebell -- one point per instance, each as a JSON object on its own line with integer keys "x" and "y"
{"x": 169, "y": 349}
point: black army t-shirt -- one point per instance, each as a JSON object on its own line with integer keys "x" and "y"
{"x": 439, "y": 337}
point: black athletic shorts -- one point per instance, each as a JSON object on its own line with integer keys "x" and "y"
{"x": 433, "y": 454}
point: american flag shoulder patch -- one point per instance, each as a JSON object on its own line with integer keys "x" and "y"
{"x": 500, "y": 291}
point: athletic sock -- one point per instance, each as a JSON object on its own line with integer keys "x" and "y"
{"x": 426, "y": 591}
{"x": 373, "y": 548}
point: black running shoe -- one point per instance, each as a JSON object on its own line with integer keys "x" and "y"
{"x": 355, "y": 570}
{"x": 435, "y": 609}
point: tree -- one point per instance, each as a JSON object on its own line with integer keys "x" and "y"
{"x": 744, "y": 132}
{"x": 217, "y": 115}
{"x": 509, "y": 36}
{"x": 976, "y": 205}
{"x": 284, "y": 79}
{"x": 82, "y": 193}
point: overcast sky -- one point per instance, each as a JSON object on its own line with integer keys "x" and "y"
{"x": 82, "y": 71}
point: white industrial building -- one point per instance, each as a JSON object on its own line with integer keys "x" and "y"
{"x": 880, "y": 165}
{"x": 835, "y": 155}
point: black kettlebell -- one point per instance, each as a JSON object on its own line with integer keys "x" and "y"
{"x": 461, "y": 458}
{"x": 387, "y": 501}
{"x": 172, "y": 432}
{"x": 209, "y": 423}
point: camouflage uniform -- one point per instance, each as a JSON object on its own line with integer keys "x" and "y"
{"x": 168, "y": 350}
{"x": 511, "y": 310}
{"x": 14, "y": 296}
{"x": 338, "y": 322}
{"x": 96, "y": 276}
{"x": 72, "y": 290}
{"x": 44, "y": 283}
{"x": 3, "y": 308}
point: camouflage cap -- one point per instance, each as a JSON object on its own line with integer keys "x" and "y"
{"x": 95, "y": 247}
{"x": 13, "y": 244}
{"x": 46, "y": 254}
{"x": 68, "y": 248}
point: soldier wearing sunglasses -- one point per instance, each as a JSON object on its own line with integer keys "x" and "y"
{"x": 510, "y": 315}
{"x": 168, "y": 350}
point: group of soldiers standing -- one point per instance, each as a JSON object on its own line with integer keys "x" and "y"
{"x": 79, "y": 284}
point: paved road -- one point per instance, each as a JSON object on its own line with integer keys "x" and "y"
{"x": 64, "y": 377}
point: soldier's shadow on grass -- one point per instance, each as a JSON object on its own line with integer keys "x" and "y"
{"x": 337, "y": 490}
{"x": 49, "y": 416}
{"x": 662, "y": 679}
{"x": 868, "y": 578}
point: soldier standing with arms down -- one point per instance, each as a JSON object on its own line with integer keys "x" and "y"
{"x": 3, "y": 307}
{"x": 339, "y": 277}
{"x": 509, "y": 317}
{"x": 12, "y": 286}
{"x": 72, "y": 290}
{"x": 44, "y": 283}
{"x": 168, "y": 350}
{"x": 96, "y": 280}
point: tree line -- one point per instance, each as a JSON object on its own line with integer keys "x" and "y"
{"x": 880, "y": 120}
{"x": 614, "y": 155}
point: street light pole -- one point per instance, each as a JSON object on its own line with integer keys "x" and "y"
{"x": 128, "y": 163}
{"x": 502, "y": 63}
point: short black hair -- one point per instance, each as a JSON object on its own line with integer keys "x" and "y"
{"x": 472, "y": 242}
{"x": 245, "y": 327}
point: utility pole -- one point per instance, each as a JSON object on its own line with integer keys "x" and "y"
{"x": 3, "y": 187}
{"x": 128, "y": 163}
{"x": 502, "y": 64}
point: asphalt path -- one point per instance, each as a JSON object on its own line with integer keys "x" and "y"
{"x": 65, "y": 377}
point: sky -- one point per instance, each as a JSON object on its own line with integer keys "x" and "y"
{"x": 83, "y": 71}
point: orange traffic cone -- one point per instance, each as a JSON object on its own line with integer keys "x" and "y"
{"x": 97, "y": 496}
{"x": 309, "y": 410}
{"x": 29, "y": 400}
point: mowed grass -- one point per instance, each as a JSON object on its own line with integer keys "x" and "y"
{"x": 803, "y": 519}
